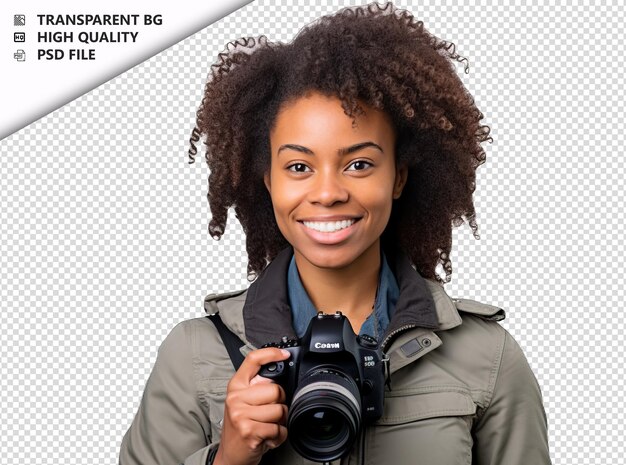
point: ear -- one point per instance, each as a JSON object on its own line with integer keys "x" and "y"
{"x": 267, "y": 181}
{"x": 402, "y": 174}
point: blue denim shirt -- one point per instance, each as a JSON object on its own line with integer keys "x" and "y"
{"x": 302, "y": 309}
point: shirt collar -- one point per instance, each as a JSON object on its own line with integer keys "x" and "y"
{"x": 302, "y": 309}
{"x": 268, "y": 317}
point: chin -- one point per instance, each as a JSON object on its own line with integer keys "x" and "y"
{"x": 333, "y": 258}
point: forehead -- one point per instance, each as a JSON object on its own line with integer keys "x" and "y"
{"x": 316, "y": 115}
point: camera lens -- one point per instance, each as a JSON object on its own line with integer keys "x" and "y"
{"x": 322, "y": 424}
{"x": 325, "y": 415}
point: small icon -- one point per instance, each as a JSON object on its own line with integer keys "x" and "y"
{"x": 19, "y": 20}
{"x": 20, "y": 55}
{"x": 19, "y": 37}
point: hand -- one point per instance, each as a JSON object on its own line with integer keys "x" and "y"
{"x": 255, "y": 413}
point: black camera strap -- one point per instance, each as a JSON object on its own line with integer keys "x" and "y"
{"x": 231, "y": 340}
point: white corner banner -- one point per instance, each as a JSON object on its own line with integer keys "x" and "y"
{"x": 53, "y": 52}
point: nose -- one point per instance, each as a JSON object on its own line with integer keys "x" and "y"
{"x": 328, "y": 189}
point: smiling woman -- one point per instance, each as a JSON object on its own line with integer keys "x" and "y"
{"x": 332, "y": 184}
{"x": 348, "y": 155}
{"x": 374, "y": 55}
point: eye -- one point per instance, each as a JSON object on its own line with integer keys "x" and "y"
{"x": 359, "y": 165}
{"x": 298, "y": 168}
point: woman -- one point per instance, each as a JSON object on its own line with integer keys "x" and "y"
{"x": 348, "y": 156}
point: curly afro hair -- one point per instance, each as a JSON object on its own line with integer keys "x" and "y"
{"x": 376, "y": 54}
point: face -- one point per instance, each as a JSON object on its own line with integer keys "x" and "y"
{"x": 332, "y": 184}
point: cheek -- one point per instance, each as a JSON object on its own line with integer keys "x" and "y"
{"x": 284, "y": 200}
{"x": 280, "y": 216}
{"x": 382, "y": 214}
{"x": 378, "y": 199}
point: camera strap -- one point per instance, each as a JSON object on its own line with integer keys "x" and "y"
{"x": 231, "y": 340}
{"x": 233, "y": 344}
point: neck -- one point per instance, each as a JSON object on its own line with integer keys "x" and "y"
{"x": 350, "y": 289}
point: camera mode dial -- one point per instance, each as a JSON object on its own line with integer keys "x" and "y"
{"x": 365, "y": 340}
{"x": 284, "y": 343}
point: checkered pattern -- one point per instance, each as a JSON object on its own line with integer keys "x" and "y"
{"x": 104, "y": 244}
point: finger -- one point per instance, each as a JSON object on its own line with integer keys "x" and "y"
{"x": 280, "y": 438}
{"x": 253, "y": 362}
{"x": 258, "y": 379}
{"x": 259, "y": 394}
{"x": 270, "y": 413}
{"x": 260, "y": 432}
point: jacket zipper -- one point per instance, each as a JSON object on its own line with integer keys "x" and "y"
{"x": 393, "y": 333}
{"x": 386, "y": 357}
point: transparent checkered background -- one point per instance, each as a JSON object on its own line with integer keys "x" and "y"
{"x": 104, "y": 241}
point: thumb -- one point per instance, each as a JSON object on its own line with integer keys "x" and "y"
{"x": 258, "y": 379}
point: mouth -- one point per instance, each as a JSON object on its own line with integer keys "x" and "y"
{"x": 330, "y": 226}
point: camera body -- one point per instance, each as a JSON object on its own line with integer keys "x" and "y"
{"x": 334, "y": 383}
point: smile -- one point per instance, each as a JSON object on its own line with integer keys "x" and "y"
{"x": 328, "y": 226}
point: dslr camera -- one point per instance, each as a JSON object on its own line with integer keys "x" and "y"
{"x": 334, "y": 384}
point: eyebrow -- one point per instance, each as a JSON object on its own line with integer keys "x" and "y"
{"x": 340, "y": 152}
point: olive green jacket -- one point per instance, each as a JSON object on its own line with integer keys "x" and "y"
{"x": 461, "y": 393}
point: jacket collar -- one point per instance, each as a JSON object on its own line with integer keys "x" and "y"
{"x": 266, "y": 315}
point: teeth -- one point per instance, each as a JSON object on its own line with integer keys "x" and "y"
{"x": 330, "y": 226}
